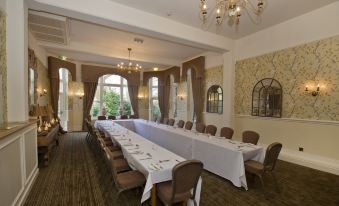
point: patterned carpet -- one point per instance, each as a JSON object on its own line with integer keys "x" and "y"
{"x": 76, "y": 176}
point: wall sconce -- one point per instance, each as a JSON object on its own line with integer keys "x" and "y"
{"x": 42, "y": 92}
{"x": 314, "y": 92}
{"x": 181, "y": 96}
{"x": 140, "y": 97}
{"x": 78, "y": 89}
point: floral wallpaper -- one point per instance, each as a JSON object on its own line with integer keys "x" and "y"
{"x": 3, "y": 68}
{"x": 312, "y": 64}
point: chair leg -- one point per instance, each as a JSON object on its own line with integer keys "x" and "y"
{"x": 263, "y": 185}
{"x": 275, "y": 182}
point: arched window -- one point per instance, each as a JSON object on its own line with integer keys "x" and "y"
{"x": 111, "y": 97}
{"x": 267, "y": 98}
{"x": 214, "y": 99}
{"x": 153, "y": 97}
{"x": 63, "y": 103}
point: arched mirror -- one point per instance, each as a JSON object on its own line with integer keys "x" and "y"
{"x": 267, "y": 98}
{"x": 214, "y": 99}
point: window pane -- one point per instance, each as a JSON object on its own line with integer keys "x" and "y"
{"x": 124, "y": 81}
{"x": 61, "y": 87}
{"x": 97, "y": 94}
{"x": 155, "y": 92}
{"x": 111, "y": 100}
{"x": 154, "y": 81}
{"x": 155, "y": 108}
{"x": 112, "y": 79}
{"x": 95, "y": 109}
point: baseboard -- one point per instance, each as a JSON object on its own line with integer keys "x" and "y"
{"x": 309, "y": 160}
{"x": 27, "y": 188}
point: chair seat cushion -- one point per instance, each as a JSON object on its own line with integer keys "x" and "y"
{"x": 130, "y": 179}
{"x": 165, "y": 193}
{"x": 254, "y": 167}
{"x": 120, "y": 165}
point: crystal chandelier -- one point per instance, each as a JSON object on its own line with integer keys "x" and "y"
{"x": 129, "y": 66}
{"x": 231, "y": 9}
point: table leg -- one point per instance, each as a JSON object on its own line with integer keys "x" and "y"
{"x": 154, "y": 195}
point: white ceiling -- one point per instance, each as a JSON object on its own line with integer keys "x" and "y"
{"x": 187, "y": 12}
{"x": 89, "y": 42}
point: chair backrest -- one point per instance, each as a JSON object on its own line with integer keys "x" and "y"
{"x": 185, "y": 177}
{"x": 124, "y": 116}
{"x": 200, "y": 127}
{"x": 101, "y": 117}
{"x": 188, "y": 125}
{"x": 226, "y": 132}
{"x": 250, "y": 137}
{"x": 271, "y": 156}
{"x": 211, "y": 129}
{"x": 171, "y": 122}
{"x": 181, "y": 123}
{"x": 112, "y": 117}
{"x": 165, "y": 121}
{"x": 133, "y": 116}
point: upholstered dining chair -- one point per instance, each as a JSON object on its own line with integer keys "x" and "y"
{"x": 112, "y": 117}
{"x": 171, "y": 122}
{"x": 165, "y": 121}
{"x": 211, "y": 129}
{"x": 226, "y": 132}
{"x": 127, "y": 180}
{"x": 200, "y": 127}
{"x": 102, "y": 117}
{"x": 124, "y": 116}
{"x": 250, "y": 137}
{"x": 133, "y": 116}
{"x": 121, "y": 165}
{"x": 181, "y": 123}
{"x": 185, "y": 177}
{"x": 188, "y": 125}
{"x": 259, "y": 169}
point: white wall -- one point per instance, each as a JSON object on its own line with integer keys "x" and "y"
{"x": 17, "y": 55}
{"x": 317, "y": 138}
{"x": 3, "y": 4}
{"x": 316, "y": 25}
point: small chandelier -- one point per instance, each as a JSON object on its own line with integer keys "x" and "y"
{"x": 129, "y": 66}
{"x": 231, "y": 9}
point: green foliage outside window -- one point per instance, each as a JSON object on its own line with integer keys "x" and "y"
{"x": 111, "y": 102}
{"x": 127, "y": 108}
{"x": 95, "y": 110}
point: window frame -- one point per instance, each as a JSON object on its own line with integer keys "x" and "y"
{"x": 102, "y": 84}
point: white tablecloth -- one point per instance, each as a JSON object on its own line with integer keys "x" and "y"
{"x": 220, "y": 156}
{"x": 154, "y": 161}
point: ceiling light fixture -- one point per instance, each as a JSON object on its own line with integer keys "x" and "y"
{"x": 129, "y": 66}
{"x": 231, "y": 9}
{"x": 155, "y": 69}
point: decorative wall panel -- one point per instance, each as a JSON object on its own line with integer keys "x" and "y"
{"x": 309, "y": 64}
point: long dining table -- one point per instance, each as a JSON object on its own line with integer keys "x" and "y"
{"x": 151, "y": 159}
{"x": 220, "y": 156}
